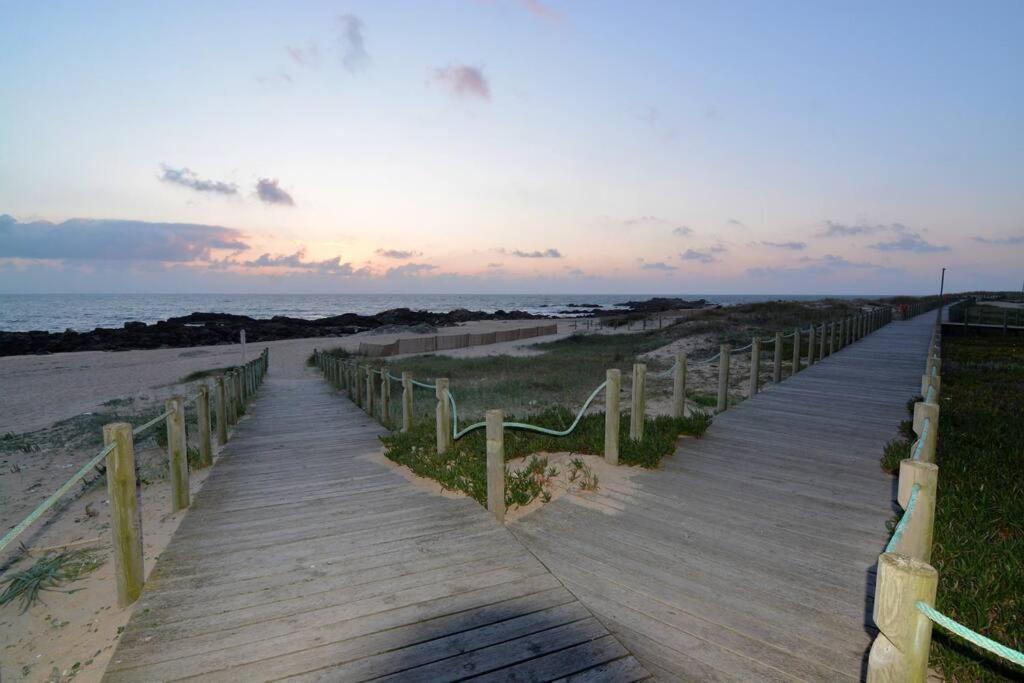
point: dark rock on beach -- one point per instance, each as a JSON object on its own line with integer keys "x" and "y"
{"x": 661, "y": 304}
{"x": 204, "y": 329}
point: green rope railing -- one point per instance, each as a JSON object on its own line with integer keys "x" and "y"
{"x": 955, "y": 627}
{"x": 919, "y": 444}
{"x": 897, "y": 534}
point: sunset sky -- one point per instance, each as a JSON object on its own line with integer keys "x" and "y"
{"x": 511, "y": 146}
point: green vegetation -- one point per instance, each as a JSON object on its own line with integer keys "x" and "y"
{"x": 979, "y": 523}
{"x": 900, "y": 448}
{"x": 203, "y": 374}
{"x": 464, "y": 466}
{"x": 48, "y": 574}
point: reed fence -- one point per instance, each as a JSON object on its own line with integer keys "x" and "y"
{"x": 232, "y": 392}
{"x": 905, "y": 583}
{"x": 446, "y": 342}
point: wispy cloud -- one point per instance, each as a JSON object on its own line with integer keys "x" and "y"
{"x": 410, "y": 270}
{"x": 463, "y": 81}
{"x": 703, "y": 255}
{"x": 682, "y": 231}
{"x": 1012, "y": 239}
{"x": 309, "y": 56}
{"x": 296, "y": 261}
{"x": 910, "y": 241}
{"x": 115, "y": 240}
{"x": 795, "y": 246}
{"x": 542, "y": 10}
{"x": 185, "y": 177}
{"x": 658, "y": 265}
{"x": 736, "y": 223}
{"x": 833, "y": 229}
{"x": 270, "y": 191}
{"x": 398, "y": 253}
{"x": 825, "y": 265}
{"x": 351, "y": 41}
{"x": 640, "y": 220}
{"x": 546, "y": 253}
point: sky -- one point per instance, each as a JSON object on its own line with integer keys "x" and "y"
{"x": 516, "y": 146}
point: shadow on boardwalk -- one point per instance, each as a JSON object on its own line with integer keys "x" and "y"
{"x": 302, "y": 557}
{"x": 750, "y": 554}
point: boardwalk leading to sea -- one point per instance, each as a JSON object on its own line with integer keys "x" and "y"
{"x": 305, "y": 558}
{"x": 749, "y": 555}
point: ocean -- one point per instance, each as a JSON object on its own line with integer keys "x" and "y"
{"x": 84, "y": 312}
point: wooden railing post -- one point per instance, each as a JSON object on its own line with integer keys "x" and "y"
{"x": 203, "y": 418}
{"x": 723, "y": 377}
{"x": 639, "y": 405}
{"x": 239, "y": 401}
{"x": 229, "y": 401}
{"x": 916, "y": 541}
{"x": 821, "y": 345}
{"x": 496, "y": 464}
{"x": 810, "y": 346}
{"x": 611, "y": 415}
{"x": 369, "y": 391}
{"x": 755, "y": 366}
{"x": 900, "y": 652}
{"x": 777, "y": 359}
{"x": 177, "y": 453}
{"x": 221, "y": 410}
{"x": 443, "y": 415}
{"x": 385, "y": 397}
{"x": 679, "y": 386}
{"x": 833, "y": 334}
{"x": 125, "y": 513}
{"x": 796, "y": 351}
{"x": 406, "y": 400}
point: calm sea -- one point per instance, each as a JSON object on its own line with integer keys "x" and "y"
{"x": 82, "y": 312}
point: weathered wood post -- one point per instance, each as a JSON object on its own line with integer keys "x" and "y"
{"x": 443, "y": 415}
{"x": 203, "y": 418}
{"x": 611, "y": 415}
{"x": 406, "y": 400}
{"x": 755, "y": 366}
{"x": 824, "y": 334}
{"x": 723, "y": 377}
{"x": 810, "y": 346}
{"x": 639, "y": 405}
{"x": 679, "y": 386}
{"x": 229, "y": 400}
{"x": 385, "y": 397}
{"x": 916, "y": 541}
{"x": 796, "y": 352}
{"x": 927, "y": 411}
{"x": 177, "y": 453}
{"x": 777, "y": 359}
{"x": 125, "y": 513}
{"x": 221, "y": 410}
{"x": 496, "y": 464}
{"x": 833, "y": 338}
{"x": 240, "y": 408}
{"x": 369, "y": 390}
{"x": 900, "y": 652}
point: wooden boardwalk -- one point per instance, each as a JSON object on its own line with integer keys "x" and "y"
{"x": 303, "y": 557}
{"x": 749, "y": 555}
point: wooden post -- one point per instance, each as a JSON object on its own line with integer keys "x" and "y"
{"x": 611, "y": 416}
{"x": 406, "y": 400}
{"x": 679, "y": 386}
{"x": 777, "y": 360}
{"x": 496, "y": 464}
{"x": 810, "y": 347}
{"x": 229, "y": 402}
{"x": 916, "y": 541}
{"x": 368, "y": 404}
{"x": 125, "y": 513}
{"x": 239, "y": 400}
{"x": 929, "y": 411}
{"x": 221, "y": 410}
{"x": 639, "y": 406}
{"x": 824, "y": 334}
{"x": 177, "y": 453}
{"x": 385, "y": 402}
{"x": 796, "y": 352}
{"x": 203, "y": 417}
{"x": 900, "y": 652}
{"x": 833, "y": 338}
{"x": 755, "y": 366}
{"x": 443, "y": 415}
{"x": 723, "y": 377}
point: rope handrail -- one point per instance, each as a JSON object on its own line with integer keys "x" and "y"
{"x": 143, "y": 427}
{"x": 967, "y": 634}
{"x": 897, "y": 534}
{"x": 55, "y": 496}
{"x": 456, "y": 434}
{"x": 742, "y": 348}
{"x": 919, "y": 445}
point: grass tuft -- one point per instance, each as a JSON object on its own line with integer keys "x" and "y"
{"x": 48, "y": 574}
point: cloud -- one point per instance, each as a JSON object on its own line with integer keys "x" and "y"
{"x": 795, "y": 246}
{"x": 184, "y": 177}
{"x": 494, "y": 265}
{"x": 269, "y": 191}
{"x": 702, "y": 255}
{"x": 463, "y": 81}
{"x": 309, "y": 56}
{"x": 410, "y": 270}
{"x": 115, "y": 240}
{"x": 640, "y": 220}
{"x": 658, "y": 265}
{"x": 737, "y": 223}
{"x": 1012, "y": 239}
{"x": 825, "y": 265}
{"x": 910, "y": 241}
{"x": 351, "y": 42}
{"x": 575, "y": 272}
{"x": 547, "y": 253}
{"x": 682, "y": 231}
{"x": 540, "y": 9}
{"x": 833, "y": 229}
{"x": 330, "y": 266}
{"x": 397, "y": 253}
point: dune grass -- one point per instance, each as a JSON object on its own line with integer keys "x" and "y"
{"x": 48, "y": 573}
{"x": 979, "y": 521}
